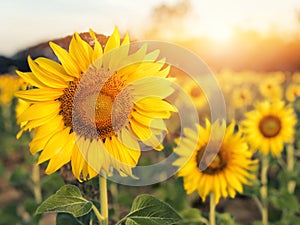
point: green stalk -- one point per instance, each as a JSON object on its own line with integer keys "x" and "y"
{"x": 290, "y": 167}
{"x": 37, "y": 190}
{"x": 103, "y": 199}
{"x": 97, "y": 213}
{"x": 264, "y": 189}
{"x": 212, "y": 209}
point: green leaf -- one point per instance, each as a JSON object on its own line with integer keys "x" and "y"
{"x": 19, "y": 177}
{"x": 67, "y": 219}
{"x": 9, "y": 215}
{"x": 68, "y": 199}
{"x": 148, "y": 210}
{"x": 285, "y": 201}
{"x": 192, "y": 216}
{"x": 51, "y": 183}
{"x": 225, "y": 219}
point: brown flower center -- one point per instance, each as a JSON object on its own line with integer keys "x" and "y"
{"x": 97, "y": 106}
{"x": 270, "y": 126}
{"x": 196, "y": 92}
{"x": 215, "y": 161}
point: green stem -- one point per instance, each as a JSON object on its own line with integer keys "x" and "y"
{"x": 290, "y": 167}
{"x": 264, "y": 188}
{"x": 7, "y": 117}
{"x": 103, "y": 199}
{"x": 212, "y": 209}
{"x": 97, "y": 213}
{"x": 115, "y": 192}
{"x": 37, "y": 191}
{"x": 258, "y": 203}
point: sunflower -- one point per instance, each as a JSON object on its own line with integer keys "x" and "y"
{"x": 241, "y": 97}
{"x": 227, "y": 167}
{"x": 9, "y": 84}
{"x": 196, "y": 93}
{"x": 96, "y": 106}
{"x": 296, "y": 77}
{"x": 269, "y": 126}
{"x": 271, "y": 89}
{"x": 292, "y": 92}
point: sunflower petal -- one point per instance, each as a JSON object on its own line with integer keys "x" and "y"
{"x": 39, "y": 95}
{"x": 67, "y": 61}
{"x": 39, "y": 110}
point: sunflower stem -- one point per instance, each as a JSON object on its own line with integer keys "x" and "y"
{"x": 7, "y": 117}
{"x": 290, "y": 167}
{"x": 264, "y": 188}
{"x": 115, "y": 192}
{"x": 97, "y": 213}
{"x": 103, "y": 199}
{"x": 37, "y": 191}
{"x": 212, "y": 209}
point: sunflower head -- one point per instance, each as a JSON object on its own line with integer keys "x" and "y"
{"x": 292, "y": 92}
{"x": 96, "y": 105}
{"x": 269, "y": 126}
{"x": 218, "y": 165}
{"x": 9, "y": 84}
{"x": 271, "y": 89}
{"x": 241, "y": 97}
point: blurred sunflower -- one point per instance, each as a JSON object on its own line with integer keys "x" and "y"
{"x": 241, "y": 97}
{"x": 226, "y": 173}
{"x": 296, "y": 77}
{"x": 292, "y": 92}
{"x": 9, "y": 84}
{"x": 269, "y": 126}
{"x": 271, "y": 89}
{"x": 96, "y": 105}
{"x": 196, "y": 93}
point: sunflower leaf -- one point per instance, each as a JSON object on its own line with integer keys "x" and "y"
{"x": 148, "y": 210}
{"x": 67, "y": 199}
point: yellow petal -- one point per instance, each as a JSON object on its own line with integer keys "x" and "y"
{"x": 31, "y": 79}
{"x": 44, "y": 133}
{"x": 28, "y": 125}
{"x": 95, "y": 157}
{"x": 55, "y": 145}
{"x": 148, "y": 121}
{"x": 68, "y": 63}
{"x": 142, "y": 132}
{"x": 39, "y": 95}
{"x": 129, "y": 140}
{"x": 39, "y": 110}
{"x": 151, "y": 86}
{"x": 97, "y": 47}
{"x": 62, "y": 157}
{"x": 77, "y": 162}
{"x": 45, "y": 77}
{"x": 113, "y": 41}
{"x": 81, "y": 52}
{"x": 54, "y": 68}
{"x": 147, "y": 104}
{"x": 126, "y": 40}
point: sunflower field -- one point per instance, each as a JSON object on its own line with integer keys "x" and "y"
{"x": 110, "y": 129}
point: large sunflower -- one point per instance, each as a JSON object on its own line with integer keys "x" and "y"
{"x": 225, "y": 173}
{"x": 269, "y": 126}
{"x": 96, "y": 105}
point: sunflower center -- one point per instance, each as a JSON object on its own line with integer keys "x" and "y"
{"x": 103, "y": 108}
{"x": 214, "y": 161}
{"x": 195, "y": 92}
{"x": 270, "y": 126}
{"x": 97, "y": 106}
{"x": 243, "y": 96}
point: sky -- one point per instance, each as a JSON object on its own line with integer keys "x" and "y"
{"x": 27, "y": 22}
